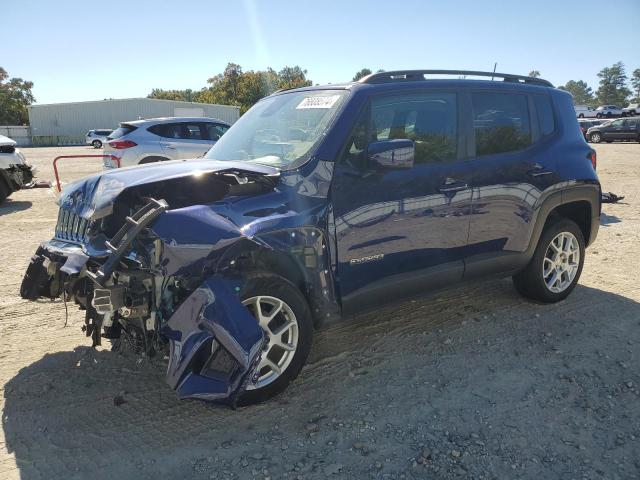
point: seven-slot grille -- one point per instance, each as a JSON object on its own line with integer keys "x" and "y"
{"x": 70, "y": 226}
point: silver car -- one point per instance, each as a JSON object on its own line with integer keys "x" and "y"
{"x": 608, "y": 111}
{"x": 161, "y": 139}
{"x": 97, "y": 137}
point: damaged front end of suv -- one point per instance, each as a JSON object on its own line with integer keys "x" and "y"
{"x": 206, "y": 261}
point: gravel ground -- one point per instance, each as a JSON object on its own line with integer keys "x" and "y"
{"x": 472, "y": 382}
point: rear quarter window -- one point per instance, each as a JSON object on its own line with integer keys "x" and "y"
{"x": 121, "y": 131}
{"x": 544, "y": 112}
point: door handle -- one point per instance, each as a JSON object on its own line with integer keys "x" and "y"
{"x": 538, "y": 170}
{"x": 451, "y": 186}
{"x": 169, "y": 145}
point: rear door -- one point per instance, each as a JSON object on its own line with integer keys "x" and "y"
{"x": 512, "y": 169}
{"x": 401, "y": 231}
{"x": 630, "y": 128}
{"x": 213, "y": 132}
{"x": 615, "y": 130}
{"x": 184, "y": 139}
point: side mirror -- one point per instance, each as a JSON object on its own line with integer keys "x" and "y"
{"x": 392, "y": 154}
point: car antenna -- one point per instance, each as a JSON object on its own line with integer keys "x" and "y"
{"x": 495, "y": 65}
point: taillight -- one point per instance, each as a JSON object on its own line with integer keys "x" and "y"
{"x": 594, "y": 159}
{"x": 121, "y": 144}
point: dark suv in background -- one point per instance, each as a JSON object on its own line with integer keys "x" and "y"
{"x": 626, "y": 129}
{"x": 319, "y": 203}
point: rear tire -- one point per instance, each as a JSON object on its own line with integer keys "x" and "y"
{"x": 598, "y": 115}
{"x": 567, "y": 267}
{"x": 581, "y": 115}
{"x": 96, "y": 144}
{"x": 270, "y": 286}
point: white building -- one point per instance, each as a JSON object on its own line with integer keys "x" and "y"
{"x": 67, "y": 123}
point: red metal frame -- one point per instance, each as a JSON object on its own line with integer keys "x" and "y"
{"x": 55, "y": 164}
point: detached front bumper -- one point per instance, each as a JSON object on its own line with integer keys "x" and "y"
{"x": 18, "y": 176}
{"x": 215, "y": 343}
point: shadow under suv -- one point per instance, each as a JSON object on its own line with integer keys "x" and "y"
{"x": 318, "y": 203}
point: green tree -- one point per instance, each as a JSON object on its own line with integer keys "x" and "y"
{"x": 612, "y": 89}
{"x": 292, "y": 77}
{"x": 361, "y": 74}
{"x": 15, "y": 95}
{"x": 582, "y": 93}
{"x": 635, "y": 83}
{"x": 237, "y": 87}
{"x": 534, "y": 73}
{"x": 187, "y": 95}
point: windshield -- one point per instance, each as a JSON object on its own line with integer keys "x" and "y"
{"x": 281, "y": 130}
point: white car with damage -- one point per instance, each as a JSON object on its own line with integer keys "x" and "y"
{"x": 15, "y": 172}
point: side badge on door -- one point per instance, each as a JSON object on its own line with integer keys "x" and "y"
{"x": 370, "y": 258}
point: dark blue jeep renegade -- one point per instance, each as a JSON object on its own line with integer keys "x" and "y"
{"x": 318, "y": 203}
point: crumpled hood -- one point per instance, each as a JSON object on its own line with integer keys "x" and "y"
{"x": 93, "y": 197}
{"x": 6, "y": 141}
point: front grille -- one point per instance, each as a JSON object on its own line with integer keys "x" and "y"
{"x": 71, "y": 227}
{"x": 7, "y": 148}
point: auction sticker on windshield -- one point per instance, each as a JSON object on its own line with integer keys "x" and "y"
{"x": 318, "y": 102}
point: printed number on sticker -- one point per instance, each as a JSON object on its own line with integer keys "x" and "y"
{"x": 318, "y": 102}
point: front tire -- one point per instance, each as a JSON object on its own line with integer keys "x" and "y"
{"x": 595, "y": 137}
{"x": 581, "y": 115}
{"x": 96, "y": 144}
{"x": 556, "y": 265}
{"x": 284, "y": 315}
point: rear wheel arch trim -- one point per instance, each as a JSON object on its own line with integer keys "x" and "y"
{"x": 589, "y": 193}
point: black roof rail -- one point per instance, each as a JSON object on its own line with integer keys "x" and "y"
{"x": 417, "y": 75}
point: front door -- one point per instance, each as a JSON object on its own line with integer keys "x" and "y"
{"x": 400, "y": 231}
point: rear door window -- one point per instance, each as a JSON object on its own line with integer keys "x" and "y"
{"x": 429, "y": 119}
{"x": 215, "y": 131}
{"x": 180, "y": 131}
{"x": 500, "y": 122}
{"x": 194, "y": 131}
